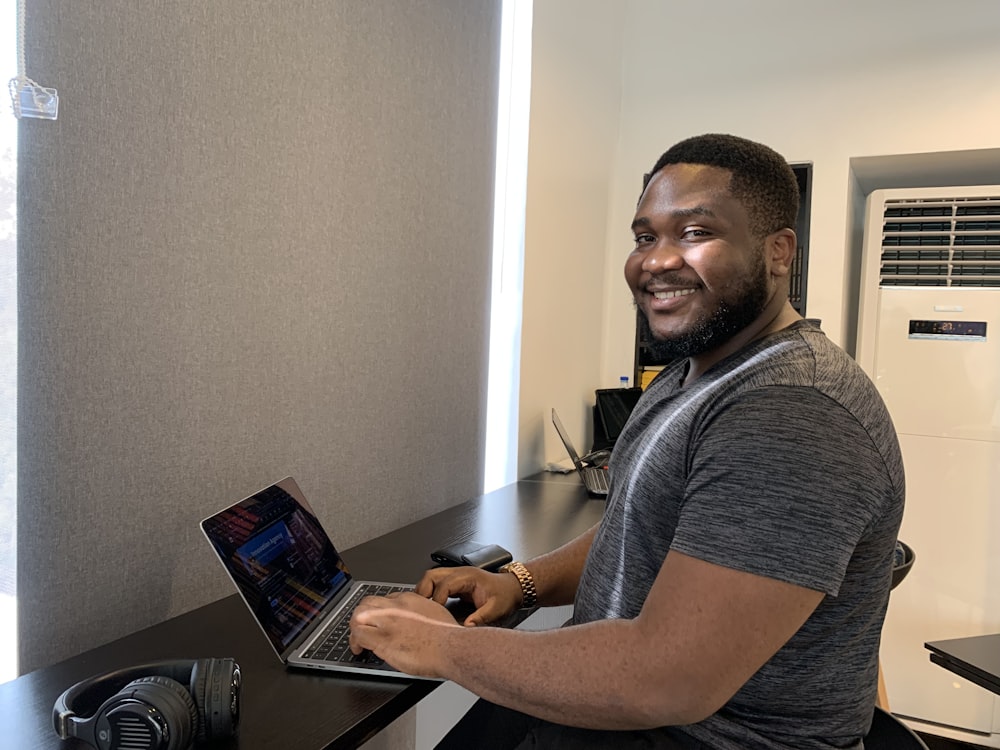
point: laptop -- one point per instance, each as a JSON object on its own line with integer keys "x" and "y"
{"x": 595, "y": 478}
{"x": 295, "y": 583}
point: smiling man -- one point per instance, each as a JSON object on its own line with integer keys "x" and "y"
{"x": 732, "y": 597}
{"x": 699, "y": 296}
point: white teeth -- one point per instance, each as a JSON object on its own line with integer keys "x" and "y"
{"x": 671, "y": 295}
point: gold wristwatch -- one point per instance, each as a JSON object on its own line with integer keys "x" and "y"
{"x": 528, "y": 593}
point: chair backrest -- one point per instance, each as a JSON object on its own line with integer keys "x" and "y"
{"x": 889, "y": 733}
{"x": 902, "y": 567}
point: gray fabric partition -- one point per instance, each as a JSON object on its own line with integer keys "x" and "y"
{"x": 255, "y": 243}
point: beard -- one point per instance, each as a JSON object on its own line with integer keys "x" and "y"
{"x": 741, "y": 308}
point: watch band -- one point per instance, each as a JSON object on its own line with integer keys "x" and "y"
{"x": 529, "y": 594}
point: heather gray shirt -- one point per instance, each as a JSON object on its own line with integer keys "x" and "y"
{"x": 780, "y": 461}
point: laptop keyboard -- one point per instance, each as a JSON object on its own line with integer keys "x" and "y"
{"x": 596, "y": 479}
{"x": 332, "y": 644}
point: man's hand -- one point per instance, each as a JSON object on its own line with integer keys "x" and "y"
{"x": 494, "y": 595}
{"x": 405, "y": 630}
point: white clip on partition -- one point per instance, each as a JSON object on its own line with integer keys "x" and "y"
{"x": 27, "y": 98}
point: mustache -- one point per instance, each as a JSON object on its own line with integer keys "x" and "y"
{"x": 671, "y": 278}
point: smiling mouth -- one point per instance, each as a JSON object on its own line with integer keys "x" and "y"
{"x": 673, "y": 294}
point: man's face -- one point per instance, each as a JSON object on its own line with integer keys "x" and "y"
{"x": 696, "y": 273}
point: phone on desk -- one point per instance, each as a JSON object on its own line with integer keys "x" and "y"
{"x": 486, "y": 556}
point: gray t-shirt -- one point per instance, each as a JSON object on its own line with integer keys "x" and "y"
{"x": 780, "y": 461}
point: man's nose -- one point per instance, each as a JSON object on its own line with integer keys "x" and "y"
{"x": 663, "y": 256}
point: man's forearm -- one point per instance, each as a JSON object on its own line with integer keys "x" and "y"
{"x": 557, "y": 573}
{"x": 563, "y": 676}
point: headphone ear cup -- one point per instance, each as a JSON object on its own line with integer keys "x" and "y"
{"x": 174, "y": 704}
{"x": 215, "y": 689}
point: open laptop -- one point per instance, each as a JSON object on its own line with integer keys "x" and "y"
{"x": 292, "y": 578}
{"x": 595, "y": 478}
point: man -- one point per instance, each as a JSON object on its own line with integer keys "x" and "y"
{"x": 732, "y": 597}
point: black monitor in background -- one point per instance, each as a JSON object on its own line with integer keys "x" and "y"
{"x": 611, "y": 411}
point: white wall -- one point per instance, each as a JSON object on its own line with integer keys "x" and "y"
{"x": 819, "y": 82}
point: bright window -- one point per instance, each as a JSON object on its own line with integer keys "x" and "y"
{"x": 8, "y": 359}
{"x": 508, "y": 244}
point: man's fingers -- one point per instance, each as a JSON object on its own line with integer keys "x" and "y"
{"x": 429, "y": 581}
{"x": 440, "y": 584}
{"x": 363, "y": 621}
{"x": 489, "y": 612}
{"x": 358, "y": 636}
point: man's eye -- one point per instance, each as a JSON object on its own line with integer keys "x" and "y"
{"x": 694, "y": 232}
{"x": 642, "y": 239}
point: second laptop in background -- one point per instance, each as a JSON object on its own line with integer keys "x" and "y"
{"x": 595, "y": 478}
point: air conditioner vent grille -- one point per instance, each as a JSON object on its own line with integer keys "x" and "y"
{"x": 941, "y": 242}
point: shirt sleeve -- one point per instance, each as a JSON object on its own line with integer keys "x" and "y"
{"x": 783, "y": 482}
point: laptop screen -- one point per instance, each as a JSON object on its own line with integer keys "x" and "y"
{"x": 615, "y": 406}
{"x": 280, "y": 558}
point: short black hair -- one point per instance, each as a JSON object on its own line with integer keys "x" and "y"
{"x": 761, "y": 179}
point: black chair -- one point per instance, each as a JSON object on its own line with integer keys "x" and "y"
{"x": 901, "y": 566}
{"x": 889, "y": 733}
{"x": 904, "y": 561}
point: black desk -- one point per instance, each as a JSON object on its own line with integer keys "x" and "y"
{"x": 284, "y": 709}
{"x": 977, "y": 659}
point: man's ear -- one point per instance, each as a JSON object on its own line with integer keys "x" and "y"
{"x": 780, "y": 248}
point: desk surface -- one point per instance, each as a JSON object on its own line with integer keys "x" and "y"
{"x": 308, "y": 711}
{"x": 977, "y": 659}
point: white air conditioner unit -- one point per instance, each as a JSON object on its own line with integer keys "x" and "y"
{"x": 929, "y": 336}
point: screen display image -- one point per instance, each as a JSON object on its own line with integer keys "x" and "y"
{"x": 614, "y": 405}
{"x": 281, "y": 560}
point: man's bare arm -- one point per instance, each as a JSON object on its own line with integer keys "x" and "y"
{"x": 557, "y": 573}
{"x": 494, "y": 596}
{"x": 703, "y": 632}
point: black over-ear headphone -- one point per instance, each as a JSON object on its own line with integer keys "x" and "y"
{"x": 165, "y": 705}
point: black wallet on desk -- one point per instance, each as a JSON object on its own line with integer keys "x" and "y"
{"x": 486, "y": 556}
